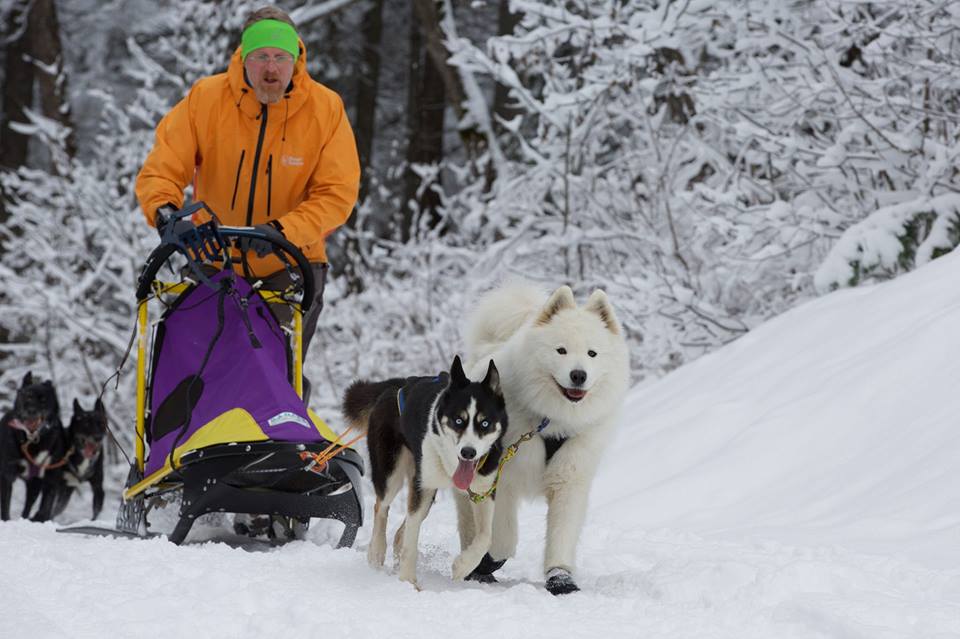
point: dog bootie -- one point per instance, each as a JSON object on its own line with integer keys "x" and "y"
{"x": 560, "y": 582}
{"x": 485, "y": 569}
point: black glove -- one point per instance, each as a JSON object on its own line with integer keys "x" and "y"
{"x": 164, "y": 216}
{"x": 263, "y": 247}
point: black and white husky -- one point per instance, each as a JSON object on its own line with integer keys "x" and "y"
{"x": 432, "y": 433}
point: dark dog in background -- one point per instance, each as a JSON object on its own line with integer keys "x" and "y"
{"x": 33, "y": 447}
{"x": 86, "y": 435}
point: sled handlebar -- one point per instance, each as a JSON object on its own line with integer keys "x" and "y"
{"x": 219, "y": 238}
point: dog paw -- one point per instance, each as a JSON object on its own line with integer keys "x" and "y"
{"x": 560, "y": 582}
{"x": 376, "y": 554}
{"x": 462, "y": 567}
{"x": 410, "y": 578}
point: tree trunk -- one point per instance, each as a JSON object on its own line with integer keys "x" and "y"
{"x": 426, "y": 101}
{"x": 17, "y": 94}
{"x": 364, "y": 129}
{"x": 45, "y": 48}
{"x": 474, "y": 138}
{"x": 33, "y": 35}
{"x": 506, "y": 23}
{"x": 428, "y": 14}
{"x": 33, "y": 38}
{"x": 368, "y": 84}
{"x": 429, "y": 138}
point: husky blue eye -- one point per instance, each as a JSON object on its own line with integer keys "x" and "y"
{"x": 458, "y": 421}
{"x": 562, "y": 350}
{"x": 484, "y": 424}
{"x": 592, "y": 353}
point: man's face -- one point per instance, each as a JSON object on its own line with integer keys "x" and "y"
{"x": 269, "y": 71}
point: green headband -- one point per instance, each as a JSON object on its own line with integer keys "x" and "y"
{"x": 270, "y": 33}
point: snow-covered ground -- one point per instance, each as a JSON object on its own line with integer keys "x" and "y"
{"x": 801, "y": 482}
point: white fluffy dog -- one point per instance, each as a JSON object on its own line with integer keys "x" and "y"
{"x": 559, "y": 362}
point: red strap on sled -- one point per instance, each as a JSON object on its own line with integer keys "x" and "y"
{"x": 319, "y": 463}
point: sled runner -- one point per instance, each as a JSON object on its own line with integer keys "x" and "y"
{"x": 219, "y": 385}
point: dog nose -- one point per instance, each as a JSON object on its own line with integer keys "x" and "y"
{"x": 467, "y": 452}
{"x": 578, "y": 377}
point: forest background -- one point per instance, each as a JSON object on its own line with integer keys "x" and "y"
{"x": 710, "y": 164}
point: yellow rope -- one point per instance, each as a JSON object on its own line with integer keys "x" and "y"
{"x": 508, "y": 454}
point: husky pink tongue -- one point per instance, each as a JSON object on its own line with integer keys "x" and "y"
{"x": 463, "y": 476}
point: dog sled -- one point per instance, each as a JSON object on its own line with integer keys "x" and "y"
{"x": 220, "y": 419}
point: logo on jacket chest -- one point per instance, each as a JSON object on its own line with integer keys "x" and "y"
{"x": 291, "y": 160}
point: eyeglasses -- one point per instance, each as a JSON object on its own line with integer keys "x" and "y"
{"x": 279, "y": 59}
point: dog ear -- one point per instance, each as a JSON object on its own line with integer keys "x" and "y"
{"x": 98, "y": 407}
{"x": 492, "y": 380}
{"x": 27, "y": 379}
{"x": 561, "y": 299}
{"x": 76, "y": 406}
{"x": 599, "y": 305}
{"x": 457, "y": 376}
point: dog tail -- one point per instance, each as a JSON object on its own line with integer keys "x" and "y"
{"x": 362, "y": 396}
{"x": 498, "y": 315}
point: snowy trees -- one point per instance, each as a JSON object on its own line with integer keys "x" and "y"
{"x": 623, "y": 172}
{"x": 705, "y": 162}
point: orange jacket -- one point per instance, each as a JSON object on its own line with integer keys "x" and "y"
{"x": 307, "y": 171}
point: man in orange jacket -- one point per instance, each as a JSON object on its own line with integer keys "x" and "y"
{"x": 263, "y": 145}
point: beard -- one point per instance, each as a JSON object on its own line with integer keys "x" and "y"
{"x": 269, "y": 83}
{"x": 268, "y": 93}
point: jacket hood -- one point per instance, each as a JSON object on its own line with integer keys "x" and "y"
{"x": 247, "y": 101}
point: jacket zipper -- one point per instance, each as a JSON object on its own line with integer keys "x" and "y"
{"x": 256, "y": 164}
{"x": 269, "y": 181}
{"x": 236, "y": 181}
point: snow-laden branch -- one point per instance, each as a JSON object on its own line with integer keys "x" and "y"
{"x": 477, "y": 111}
{"x": 308, "y": 13}
{"x": 920, "y": 228}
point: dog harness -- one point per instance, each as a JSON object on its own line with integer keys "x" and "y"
{"x": 32, "y": 434}
{"x": 401, "y": 400}
{"x": 32, "y": 437}
{"x": 551, "y": 445}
